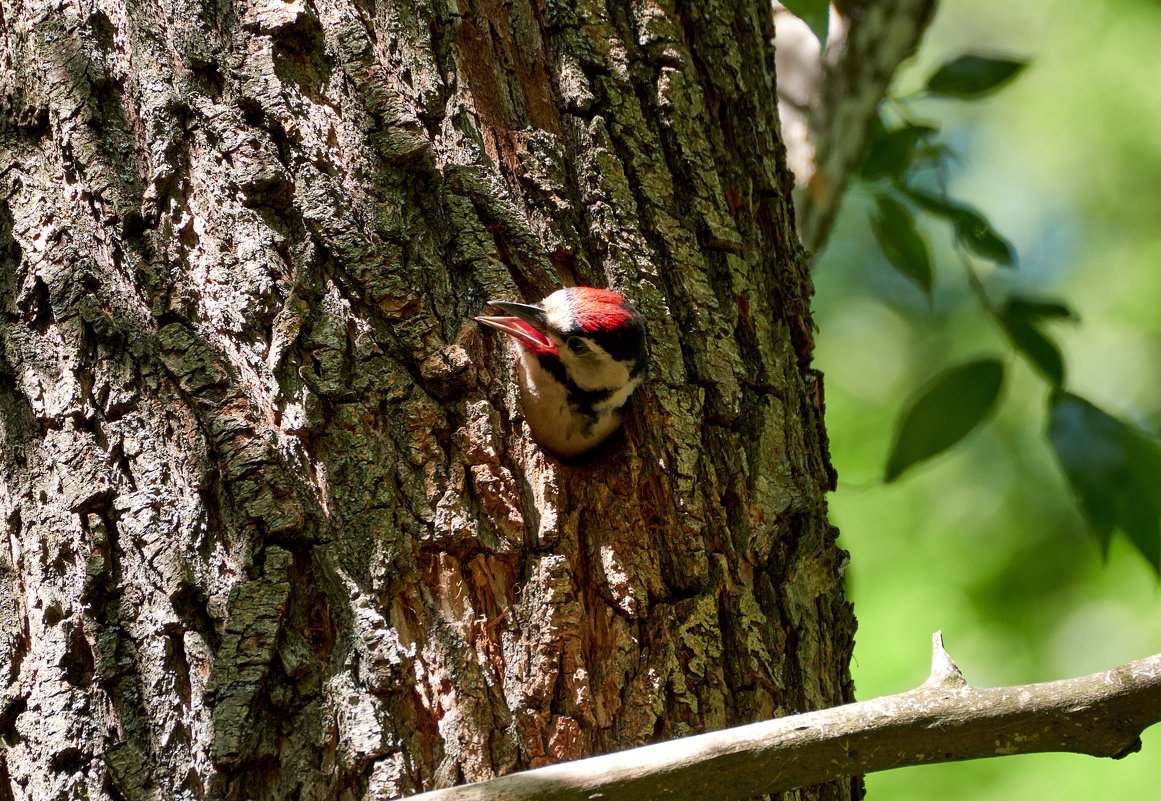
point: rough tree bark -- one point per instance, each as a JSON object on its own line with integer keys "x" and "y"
{"x": 274, "y": 527}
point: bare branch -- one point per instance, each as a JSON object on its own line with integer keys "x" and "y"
{"x": 827, "y": 101}
{"x": 944, "y": 670}
{"x": 943, "y": 720}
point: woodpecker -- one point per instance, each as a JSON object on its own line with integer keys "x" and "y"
{"x": 581, "y": 354}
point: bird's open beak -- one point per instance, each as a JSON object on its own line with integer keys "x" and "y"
{"x": 523, "y": 322}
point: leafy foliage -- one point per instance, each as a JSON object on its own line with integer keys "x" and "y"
{"x": 1114, "y": 468}
{"x": 893, "y": 151}
{"x": 1020, "y": 318}
{"x": 972, "y": 76}
{"x": 946, "y": 411}
{"x": 894, "y": 227}
{"x": 972, "y": 229}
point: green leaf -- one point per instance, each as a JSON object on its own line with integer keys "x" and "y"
{"x": 1020, "y": 318}
{"x": 1042, "y": 351}
{"x": 815, "y": 13}
{"x": 1032, "y": 309}
{"x": 969, "y": 77}
{"x": 979, "y": 236}
{"x": 901, "y": 242}
{"x": 1114, "y": 469}
{"x": 971, "y": 228}
{"x": 946, "y": 411}
{"x": 892, "y": 151}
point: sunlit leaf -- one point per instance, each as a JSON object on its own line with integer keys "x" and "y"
{"x": 972, "y": 76}
{"x": 1115, "y": 471}
{"x": 892, "y": 151}
{"x": 1020, "y": 318}
{"x": 815, "y": 13}
{"x": 945, "y": 412}
{"x": 901, "y": 242}
{"x": 971, "y": 227}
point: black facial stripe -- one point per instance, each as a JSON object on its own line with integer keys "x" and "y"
{"x": 583, "y": 400}
{"x": 623, "y": 343}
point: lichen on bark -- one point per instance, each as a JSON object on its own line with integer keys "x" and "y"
{"x": 275, "y": 527}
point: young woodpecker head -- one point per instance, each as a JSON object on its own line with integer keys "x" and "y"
{"x": 582, "y": 353}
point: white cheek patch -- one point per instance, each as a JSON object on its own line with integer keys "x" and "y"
{"x": 595, "y": 369}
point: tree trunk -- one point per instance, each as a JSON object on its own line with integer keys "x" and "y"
{"x": 275, "y": 526}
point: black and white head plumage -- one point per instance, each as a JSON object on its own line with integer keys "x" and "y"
{"x": 582, "y": 353}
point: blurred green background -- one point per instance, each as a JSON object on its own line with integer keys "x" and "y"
{"x": 985, "y": 542}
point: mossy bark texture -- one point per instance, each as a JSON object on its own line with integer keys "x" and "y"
{"x": 273, "y": 525}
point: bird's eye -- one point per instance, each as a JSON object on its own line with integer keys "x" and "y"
{"x": 576, "y": 345}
